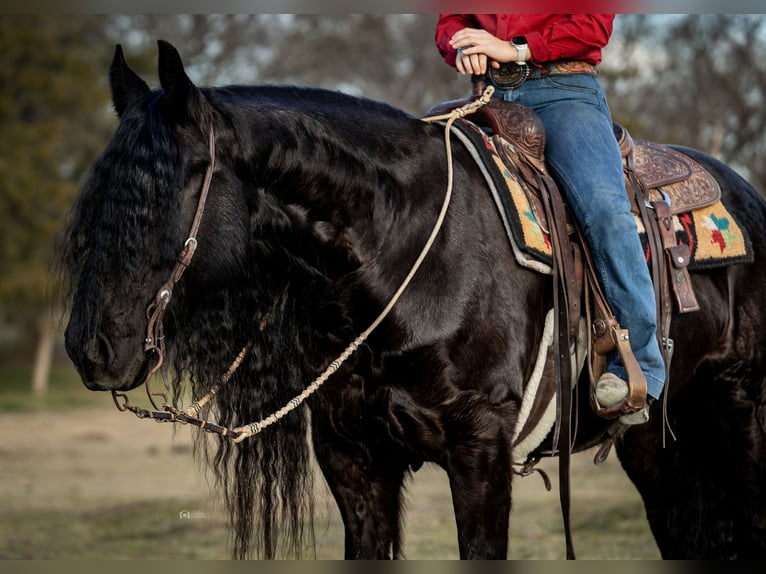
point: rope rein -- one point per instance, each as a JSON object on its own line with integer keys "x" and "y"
{"x": 190, "y": 415}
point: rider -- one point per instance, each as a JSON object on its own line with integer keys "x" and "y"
{"x": 562, "y": 51}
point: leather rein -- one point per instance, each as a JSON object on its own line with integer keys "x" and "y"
{"x": 155, "y": 340}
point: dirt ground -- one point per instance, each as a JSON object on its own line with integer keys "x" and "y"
{"x": 96, "y": 483}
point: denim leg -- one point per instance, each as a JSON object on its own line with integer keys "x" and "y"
{"x": 585, "y": 160}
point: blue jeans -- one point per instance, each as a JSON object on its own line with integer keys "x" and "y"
{"x": 584, "y": 157}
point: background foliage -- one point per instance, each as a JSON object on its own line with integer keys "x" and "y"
{"x": 697, "y": 80}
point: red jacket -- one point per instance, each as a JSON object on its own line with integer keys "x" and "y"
{"x": 549, "y": 36}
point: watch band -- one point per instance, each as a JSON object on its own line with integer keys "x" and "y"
{"x": 523, "y": 53}
{"x": 520, "y": 43}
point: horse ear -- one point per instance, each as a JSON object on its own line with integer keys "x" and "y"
{"x": 126, "y": 85}
{"x": 179, "y": 90}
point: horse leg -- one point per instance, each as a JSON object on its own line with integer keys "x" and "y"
{"x": 480, "y": 481}
{"x": 367, "y": 490}
{"x": 704, "y": 492}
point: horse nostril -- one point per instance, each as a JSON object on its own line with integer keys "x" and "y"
{"x": 105, "y": 349}
{"x": 100, "y": 350}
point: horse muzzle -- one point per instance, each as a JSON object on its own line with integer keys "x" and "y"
{"x": 104, "y": 364}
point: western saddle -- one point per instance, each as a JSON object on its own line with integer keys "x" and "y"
{"x": 660, "y": 182}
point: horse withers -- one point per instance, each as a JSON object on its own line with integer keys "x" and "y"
{"x": 315, "y": 207}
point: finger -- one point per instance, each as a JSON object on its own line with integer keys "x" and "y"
{"x": 459, "y": 62}
{"x": 457, "y": 44}
{"x": 460, "y": 34}
{"x": 466, "y": 37}
{"x": 468, "y": 63}
{"x": 478, "y": 63}
{"x": 469, "y": 33}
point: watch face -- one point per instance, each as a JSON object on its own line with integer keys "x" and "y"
{"x": 519, "y": 40}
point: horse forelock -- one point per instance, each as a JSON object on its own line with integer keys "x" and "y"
{"x": 112, "y": 232}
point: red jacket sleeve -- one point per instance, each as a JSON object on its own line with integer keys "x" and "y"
{"x": 573, "y": 37}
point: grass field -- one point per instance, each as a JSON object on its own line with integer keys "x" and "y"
{"x": 83, "y": 481}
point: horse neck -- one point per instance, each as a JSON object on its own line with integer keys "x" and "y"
{"x": 330, "y": 168}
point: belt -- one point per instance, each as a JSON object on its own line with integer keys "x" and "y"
{"x": 512, "y": 75}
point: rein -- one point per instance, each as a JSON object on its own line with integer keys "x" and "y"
{"x": 154, "y": 313}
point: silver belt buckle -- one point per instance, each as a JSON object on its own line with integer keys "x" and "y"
{"x": 509, "y": 76}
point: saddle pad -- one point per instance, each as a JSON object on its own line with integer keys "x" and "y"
{"x": 712, "y": 233}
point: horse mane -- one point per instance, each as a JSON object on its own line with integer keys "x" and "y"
{"x": 303, "y": 284}
{"x": 353, "y": 134}
{"x": 266, "y": 482}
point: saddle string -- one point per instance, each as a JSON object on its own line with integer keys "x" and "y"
{"x": 155, "y": 341}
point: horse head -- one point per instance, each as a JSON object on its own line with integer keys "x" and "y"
{"x": 132, "y": 223}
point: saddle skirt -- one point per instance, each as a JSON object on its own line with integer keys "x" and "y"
{"x": 668, "y": 175}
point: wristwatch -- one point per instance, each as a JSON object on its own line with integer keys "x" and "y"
{"x": 520, "y": 43}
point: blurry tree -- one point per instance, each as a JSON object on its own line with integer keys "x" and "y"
{"x": 694, "y": 79}
{"x": 216, "y": 48}
{"x": 390, "y": 57}
{"x": 52, "y": 119}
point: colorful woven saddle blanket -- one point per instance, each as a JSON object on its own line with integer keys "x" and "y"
{"x": 701, "y": 220}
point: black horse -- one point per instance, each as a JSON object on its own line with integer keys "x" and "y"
{"x": 318, "y": 206}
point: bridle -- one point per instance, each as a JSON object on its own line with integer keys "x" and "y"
{"x": 155, "y": 311}
{"x": 155, "y": 339}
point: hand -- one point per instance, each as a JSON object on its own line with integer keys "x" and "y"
{"x": 476, "y": 47}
